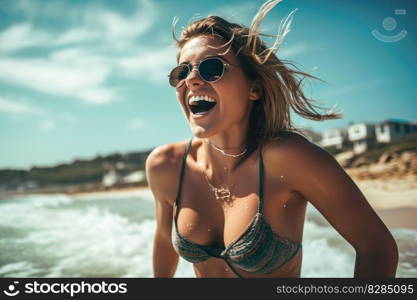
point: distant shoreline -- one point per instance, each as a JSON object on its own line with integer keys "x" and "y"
{"x": 140, "y": 191}
{"x": 393, "y": 199}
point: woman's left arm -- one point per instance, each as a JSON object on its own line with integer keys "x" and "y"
{"x": 323, "y": 182}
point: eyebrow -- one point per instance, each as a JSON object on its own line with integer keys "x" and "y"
{"x": 208, "y": 56}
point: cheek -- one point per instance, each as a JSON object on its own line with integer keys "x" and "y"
{"x": 235, "y": 94}
{"x": 180, "y": 95}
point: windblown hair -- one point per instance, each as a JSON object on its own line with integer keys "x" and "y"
{"x": 279, "y": 82}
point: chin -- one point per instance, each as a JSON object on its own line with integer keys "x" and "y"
{"x": 201, "y": 132}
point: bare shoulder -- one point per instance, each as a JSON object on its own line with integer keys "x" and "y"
{"x": 299, "y": 159}
{"x": 293, "y": 146}
{"x": 165, "y": 157}
{"x": 163, "y": 169}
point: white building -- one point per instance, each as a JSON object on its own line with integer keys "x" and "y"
{"x": 334, "y": 137}
{"x": 111, "y": 178}
{"x": 362, "y": 136}
{"x": 391, "y": 129}
{"x": 134, "y": 177}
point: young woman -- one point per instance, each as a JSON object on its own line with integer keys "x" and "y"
{"x": 232, "y": 199}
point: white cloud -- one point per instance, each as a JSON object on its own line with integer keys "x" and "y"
{"x": 47, "y": 125}
{"x": 116, "y": 25}
{"x": 155, "y": 64}
{"x": 77, "y": 73}
{"x": 109, "y": 28}
{"x": 83, "y": 57}
{"x": 77, "y": 35}
{"x": 59, "y": 77}
{"x": 136, "y": 124}
{"x": 18, "y": 107}
{"x": 89, "y": 23}
{"x": 21, "y": 36}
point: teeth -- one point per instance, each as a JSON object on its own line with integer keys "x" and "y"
{"x": 194, "y": 99}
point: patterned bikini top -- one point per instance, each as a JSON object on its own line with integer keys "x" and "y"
{"x": 257, "y": 250}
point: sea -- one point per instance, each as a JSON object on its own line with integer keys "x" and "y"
{"x": 110, "y": 235}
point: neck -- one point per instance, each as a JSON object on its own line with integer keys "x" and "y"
{"x": 232, "y": 141}
{"x": 225, "y": 153}
{"x": 218, "y": 154}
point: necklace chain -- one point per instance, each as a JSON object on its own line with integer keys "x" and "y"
{"x": 221, "y": 194}
{"x": 227, "y": 154}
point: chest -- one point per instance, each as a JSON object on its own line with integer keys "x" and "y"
{"x": 206, "y": 220}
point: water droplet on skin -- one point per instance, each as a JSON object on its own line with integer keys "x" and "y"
{"x": 247, "y": 207}
{"x": 282, "y": 176}
{"x": 285, "y": 205}
{"x": 208, "y": 229}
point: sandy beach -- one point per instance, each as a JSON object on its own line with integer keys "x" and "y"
{"x": 394, "y": 200}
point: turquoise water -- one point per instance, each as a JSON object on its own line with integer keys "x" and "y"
{"x": 111, "y": 236}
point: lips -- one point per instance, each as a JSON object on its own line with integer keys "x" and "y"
{"x": 201, "y": 104}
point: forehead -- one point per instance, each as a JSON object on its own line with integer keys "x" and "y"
{"x": 203, "y": 46}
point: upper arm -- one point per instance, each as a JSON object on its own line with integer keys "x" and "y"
{"x": 161, "y": 173}
{"x": 315, "y": 174}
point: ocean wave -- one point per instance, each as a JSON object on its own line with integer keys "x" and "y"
{"x": 60, "y": 236}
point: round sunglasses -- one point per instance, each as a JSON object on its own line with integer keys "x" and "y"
{"x": 210, "y": 69}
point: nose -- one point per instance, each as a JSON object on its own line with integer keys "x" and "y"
{"x": 193, "y": 79}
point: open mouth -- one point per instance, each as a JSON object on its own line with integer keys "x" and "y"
{"x": 200, "y": 105}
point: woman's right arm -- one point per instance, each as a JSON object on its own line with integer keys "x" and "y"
{"x": 165, "y": 259}
{"x": 160, "y": 173}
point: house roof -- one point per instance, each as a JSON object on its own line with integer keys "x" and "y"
{"x": 393, "y": 120}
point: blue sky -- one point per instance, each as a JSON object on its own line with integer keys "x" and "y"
{"x": 82, "y": 78}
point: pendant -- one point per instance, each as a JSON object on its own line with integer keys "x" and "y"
{"x": 222, "y": 194}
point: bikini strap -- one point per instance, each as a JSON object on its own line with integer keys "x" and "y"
{"x": 261, "y": 181}
{"x": 184, "y": 159}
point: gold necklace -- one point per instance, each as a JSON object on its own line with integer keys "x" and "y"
{"x": 222, "y": 151}
{"x": 222, "y": 194}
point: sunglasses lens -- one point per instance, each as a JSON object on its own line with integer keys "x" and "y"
{"x": 211, "y": 69}
{"x": 177, "y": 74}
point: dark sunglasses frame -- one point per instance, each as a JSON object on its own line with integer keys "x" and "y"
{"x": 179, "y": 82}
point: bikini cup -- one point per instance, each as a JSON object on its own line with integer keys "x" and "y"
{"x": 257, "y": 250}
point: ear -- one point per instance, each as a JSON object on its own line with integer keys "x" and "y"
{"x": 255, "y": 91}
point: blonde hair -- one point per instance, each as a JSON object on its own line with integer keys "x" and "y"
{"x": 279, "y": 82}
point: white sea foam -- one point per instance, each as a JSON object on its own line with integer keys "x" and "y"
{"x": 60, "y": 236}
{"x": 18, "y": 269}
{"x": 325, "y": 253}
{"x": 38, "y": 201}
{"x": 140, "y": 193}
